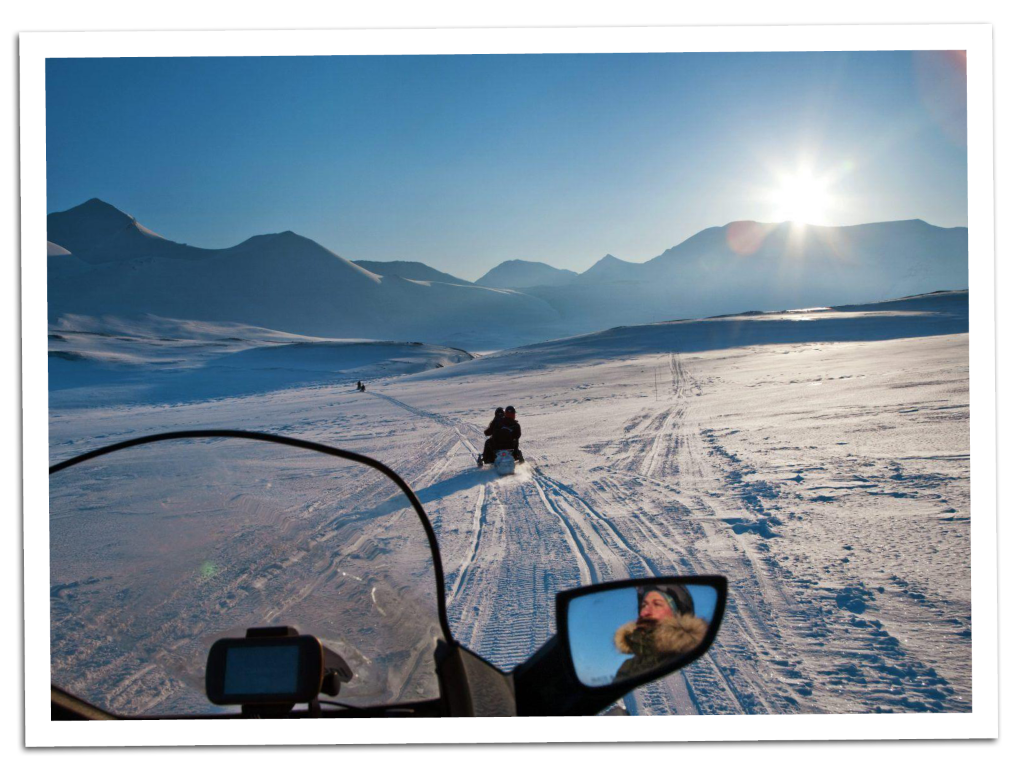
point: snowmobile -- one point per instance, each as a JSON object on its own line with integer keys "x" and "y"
{"x": 229, "y": 574}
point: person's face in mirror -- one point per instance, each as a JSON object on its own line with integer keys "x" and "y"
{"x": 665, "y": 628}
{"x": 655, "y": 608}
{"x": 647, "y": 627}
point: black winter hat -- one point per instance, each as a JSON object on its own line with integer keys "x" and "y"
{"x": 678, "y": 595}
{"x": 510, "y": 409}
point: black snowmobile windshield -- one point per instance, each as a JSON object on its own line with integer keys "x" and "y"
{"x": 160, "y": 549}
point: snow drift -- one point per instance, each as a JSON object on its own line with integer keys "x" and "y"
{"x": 936, "y": 314}
{"x": 164, "y": 360}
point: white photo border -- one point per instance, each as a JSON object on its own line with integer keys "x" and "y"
{"x": 976, "y": 39}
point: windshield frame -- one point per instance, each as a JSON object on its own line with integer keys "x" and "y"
{"x": 435, "y": 550}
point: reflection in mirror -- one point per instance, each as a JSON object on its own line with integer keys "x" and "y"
{"x": 617, "y": 635}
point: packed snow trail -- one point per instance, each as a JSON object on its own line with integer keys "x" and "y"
{"x": 672, "y": 498}
{"x": 508, "y": 599}
{"x": 828, "y": 482}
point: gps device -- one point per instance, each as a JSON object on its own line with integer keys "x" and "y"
{"x": 275, "y": 665}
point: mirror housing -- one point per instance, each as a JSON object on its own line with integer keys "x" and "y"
{"x": 548, "y": 683}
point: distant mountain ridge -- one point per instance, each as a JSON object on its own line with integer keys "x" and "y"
{"x": 288, "y": 282}
{"x": 518, "y": 273}
{"x": 411, "y": 270}
{"x": 97, "y": 232}
{"x": 611, "y": 269}
{"x": 748, "y": 265}
{"x": 280, "y": 281}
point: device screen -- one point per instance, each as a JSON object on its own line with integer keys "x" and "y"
{"x": 261, "y": 669}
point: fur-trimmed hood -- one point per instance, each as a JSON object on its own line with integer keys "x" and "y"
{"x": 676, "y": 635}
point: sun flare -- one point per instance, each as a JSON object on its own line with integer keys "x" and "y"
{"x": 801, "y": 198}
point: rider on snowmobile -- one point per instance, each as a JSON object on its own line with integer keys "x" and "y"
{"x": 504, "y": 435}
{"x": 499, "y": 416}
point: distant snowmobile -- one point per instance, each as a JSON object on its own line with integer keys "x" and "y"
{"x": 502, "y": 447}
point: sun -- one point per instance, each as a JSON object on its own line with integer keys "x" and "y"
{"x": 801, "y": 198}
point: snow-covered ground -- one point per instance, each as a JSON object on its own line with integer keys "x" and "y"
{"x": 820, "y": 460}
{"x": 157, "y": 360}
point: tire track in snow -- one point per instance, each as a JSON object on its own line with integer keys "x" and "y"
{"x": 507, "y": 645}
{"x": 665, "y": 695}
{"x": 666, "y": 453}
{"x": 588, "y": 509}
{"x": 526, "y": 558}
{"x": 657, "y": 697}
{"x": 673, "y": 692}
{"x": 582, "y": 559}
{"x": 723, "y": 681}
{"x": 478, "y": 520}
{"x": 446, "y": 421}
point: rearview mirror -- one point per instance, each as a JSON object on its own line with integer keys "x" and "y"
{"x": 633, "y": 633}
{"x": 609, "y": 643}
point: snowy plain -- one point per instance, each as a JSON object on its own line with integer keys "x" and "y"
{"x": 819, "y": 459}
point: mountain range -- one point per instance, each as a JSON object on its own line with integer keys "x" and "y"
{"x": 103, "y": 262}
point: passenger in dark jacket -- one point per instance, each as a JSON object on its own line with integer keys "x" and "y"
{"x": 499, "y": 416}
{"x": 504, "y": 435}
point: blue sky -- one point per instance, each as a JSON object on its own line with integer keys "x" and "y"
{"x": 465, "y": 161}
